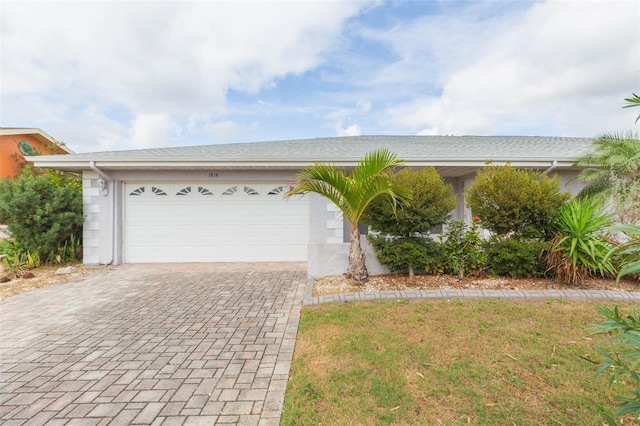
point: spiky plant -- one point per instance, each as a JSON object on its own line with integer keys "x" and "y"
{"x": 578, "y": 249}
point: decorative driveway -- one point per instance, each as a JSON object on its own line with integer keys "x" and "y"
{"x": 161, "y": 344}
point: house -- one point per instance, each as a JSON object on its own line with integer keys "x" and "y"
{"x": 224, "y": 203}
{"x": 16, "y": 143}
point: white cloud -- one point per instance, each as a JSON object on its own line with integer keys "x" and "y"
{"x": 100, "y": 75}
{"x": 151, "y": 131}
{"x": 351, "y": 130}
{"x": 154, "y": 58}
{"x": 561, "y": 66}
{"x": 229, "y": 131}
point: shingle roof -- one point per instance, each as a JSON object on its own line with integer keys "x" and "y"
{"x": 414, "y": 149}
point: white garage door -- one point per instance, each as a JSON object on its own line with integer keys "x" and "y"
{"x": 201, "y": 222}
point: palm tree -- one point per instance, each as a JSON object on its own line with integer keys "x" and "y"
{"x": 613, "y": 169}
{"x": 352, "y": 193}
{"x": 633, "y": 101}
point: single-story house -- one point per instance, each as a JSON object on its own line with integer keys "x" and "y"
{"x": 16, "y": 143}
{"x": 224, "y": 203}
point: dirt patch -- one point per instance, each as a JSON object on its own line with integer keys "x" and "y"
{"x": 38, "y": 278}
{"x": 339, "y": 284}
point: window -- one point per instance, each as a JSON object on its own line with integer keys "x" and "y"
{"x": 138, "y": 191}
{"x": 184, "y": 191}
{"x": 280, "y": 190}
{"x": 250, "y": 191}
{"x": 230, "y": 191}
{"x": 157, "y": 191}
{"x": 204, "y": 191}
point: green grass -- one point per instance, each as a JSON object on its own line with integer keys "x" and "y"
{"x": 447, "y": 363}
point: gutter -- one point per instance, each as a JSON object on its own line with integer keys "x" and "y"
{"x": 104, "y": 191}
{"x": 101, "y": 182}
{"x": 62, "y": 163}
{"x": 554, "y": 164}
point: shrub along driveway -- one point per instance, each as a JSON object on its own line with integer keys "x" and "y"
{"x": 152, "y": 344}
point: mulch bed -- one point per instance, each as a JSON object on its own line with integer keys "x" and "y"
{"x": 339, "y": 284}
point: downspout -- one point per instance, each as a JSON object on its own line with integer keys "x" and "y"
{"x": 104, "y": 190}
{"x": 554, "y": 164}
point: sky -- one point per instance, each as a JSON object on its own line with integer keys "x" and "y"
{"x": 115, "y": 75}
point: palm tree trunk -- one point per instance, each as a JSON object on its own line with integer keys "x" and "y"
{"x": 357, "y": 268}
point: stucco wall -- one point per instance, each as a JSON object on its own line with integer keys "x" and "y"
{"x": 12, "y": 160}
{"x": 328, "y": 249}
{"x": 97, "y": 232}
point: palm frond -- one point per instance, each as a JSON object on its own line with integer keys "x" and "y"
{"x": 374, "y": 163}
{"x": 613, "y": 156}
{"x": 352, "y": 193}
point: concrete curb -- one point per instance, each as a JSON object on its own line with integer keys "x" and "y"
{"x": 605, "y": 295}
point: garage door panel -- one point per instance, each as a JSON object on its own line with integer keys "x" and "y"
{"x": 195, "y": 222}
{"x": 299, "y": 231}
{"x": 274, "y": 231}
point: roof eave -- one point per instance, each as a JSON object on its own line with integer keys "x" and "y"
{"x": 39, "y": 134}
{"x": 62, "y": 163}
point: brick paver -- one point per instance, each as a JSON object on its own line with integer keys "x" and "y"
{"x": 176, "y": 344}
{"x": 622, "y": 296}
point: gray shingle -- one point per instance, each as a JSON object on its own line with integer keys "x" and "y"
{"x": 354, "y": 147}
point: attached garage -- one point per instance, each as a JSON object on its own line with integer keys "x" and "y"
{"x": 204, "y": 222}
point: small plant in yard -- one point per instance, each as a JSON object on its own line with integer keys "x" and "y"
{"x": 402, "y": 240}
{"x": 69, "y": 251}
{"x": 628, "y": 252}
{"x": 621, "y": 356}
{"x": 462, "y": 248}
{"x": 409, "y": 254}
{"x": 515, "y": 257}
{"x": 18, "y": 259}
{"x": 579, "y": 250}
{"x": 517, "y": 202}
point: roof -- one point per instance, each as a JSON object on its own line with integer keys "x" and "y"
{"x": 36, "y": 133}
{"x": 444, "y": 152}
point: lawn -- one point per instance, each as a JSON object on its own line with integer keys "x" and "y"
{"x": 447, "y": 362}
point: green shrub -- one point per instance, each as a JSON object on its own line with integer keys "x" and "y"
{"x": 462, "y": 248}
{"x": 400, "y": 244}
{"x": 515, "y": 257}
{"x": 621, "y": 356}
{"x": 408, "y": 254}
{"x": 515, "y": 201}
{"x": 41, "y": 211}
{"x": 430, "y": 205}
{"x": 578, "y": 249}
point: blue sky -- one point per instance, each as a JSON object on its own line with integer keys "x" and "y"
{"x": 126, "y": 75}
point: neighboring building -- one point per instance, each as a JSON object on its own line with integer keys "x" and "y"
{"x": 224, "y": 203}
{"x": 16, "y": 143}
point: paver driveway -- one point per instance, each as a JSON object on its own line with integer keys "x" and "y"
{"x": 152, "y": 344}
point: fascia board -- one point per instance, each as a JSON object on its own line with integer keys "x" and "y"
{"x": 60, "y": 162}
